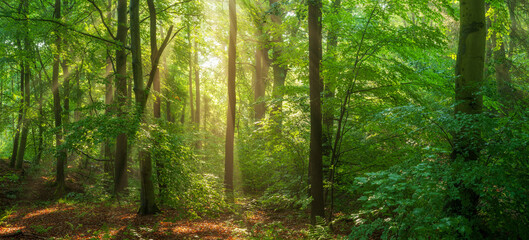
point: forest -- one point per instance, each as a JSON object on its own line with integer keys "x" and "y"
{"x": 264, "y": 119}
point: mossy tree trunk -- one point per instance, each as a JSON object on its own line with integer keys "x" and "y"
{"x": 469, "y": 105}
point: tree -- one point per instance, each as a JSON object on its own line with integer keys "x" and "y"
{"x": 57, "y": 110}
{"x": 469, "y": 100}
{"x": 141, "y": 91}
{"x": 197, "y": 87}
{"x": 279, "y": 68}
{"x": 148, "y": 204}
{"x": 230, "y": 128}
{"x": 120, "y": 161}
{"x": 191, "y": 107}
{"x": 27, "y": 75}
{"x": 315, "y": 158}
{"x": 328, "y": 86}
{"x": 14, "y": 155}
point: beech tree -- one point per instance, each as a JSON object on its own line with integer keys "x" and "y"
{"x": 121, "y": 159}
{"x": 469, "y": 101}
{"x": 57, "y": 109}
{"x": 230, "y": 128}
{"x": 315, "y": 160}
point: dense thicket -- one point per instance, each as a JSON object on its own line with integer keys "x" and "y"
{"x": 400, "y": 119}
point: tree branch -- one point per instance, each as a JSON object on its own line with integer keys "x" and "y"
{"x": 102, "y": 19}
{"x": 165, "y": 9}
{"x": 156, "y": 60}
{"x": 66, "y": 27}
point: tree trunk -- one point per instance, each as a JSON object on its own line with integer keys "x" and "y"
{"x": 66, "y": 96}
{"x": 109, "y": 97}
{"x": 328, "y": 108}
{"x": 280, "y": 70}
{"x": 157, "y": 100}
{"x": 469, "y": 104}
{"x": 147, "y": 197}
{"x": 197, "y": 88}
{"x": 156, "y": 86}
{"x": 198, "y": 143}
{"x": 120, "y": 161}
{"x": 16, "y": 140}
{"x": 57, "y": 110}
{"x": 315, "y": 56}
{"x": 40, "y": 122}
{"x": 328, "y": 86}
{"x": 25, "y": 121}
{"x": 146, "y": 159}
{"x": 469, "y": 74}
{"x": 191, "y": 108}
{"x": 230, "y": 128}
{"x": 206, "y": 113}
{"x": 183, "y": 115}
{"x": 259, "y": 87}
{"x": 168, "y": 113}
{"x": 503, "y": 75}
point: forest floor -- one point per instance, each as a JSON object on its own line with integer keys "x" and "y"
{"x": 28, "y": 210}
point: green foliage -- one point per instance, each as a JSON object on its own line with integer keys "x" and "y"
{"x": 269, "y": 155}
{"x": 182, "y": 182}
{"x": 413, "y": 199}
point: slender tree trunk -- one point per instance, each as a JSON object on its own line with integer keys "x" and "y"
{"x": 197, "y": 88}
{"x": 168, "y": 113}
{"x": 503, "y": 75}
{"x": 315, "y": 56}
{"x": 40, "y": 122}
{"x": 57, "y": 109}
{"x": 23, "y": 10}
{"x": 109, "y": 98}
{"x": 120, "y": 161}
{"x": 328, "y": 86}
{"x": 66, "y": 87}
{"x": 328, "y": 113}
{"x": 469, "y": 104}
{"x": 157, "y": 100}
{"x": 25, "y": 121}
{"x": 66, "y": 96}
{"x": 206, "y": 113}
{"x": 16, "y": 140}
{"x": 147, "y": 196}
{"x": 259, "y": 86}
{"x": 191, "y": 108}
{"x": 230, "y": 128}
{"x": 280, "y": 69}
{"x": 162, "y": 186}
{"x": 198, "y": 143}
{"x": 183, "y": 115}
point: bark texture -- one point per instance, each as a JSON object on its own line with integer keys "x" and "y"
{"x": 469, "y": 104}
{"x": 279, "y": 68}
{"x": 230, "y": 128}
{"x": 120, "y": 160}
{"x": 315, "y": 158}
{"x": 57, "y": 110}
{"x": 469, "y": 74}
